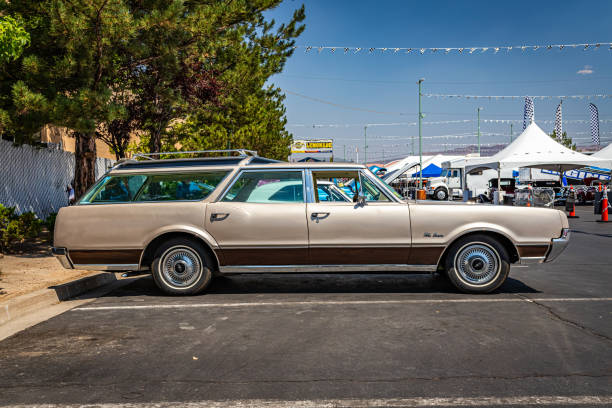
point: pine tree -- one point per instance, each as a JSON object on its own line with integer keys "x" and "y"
{"x": 105, "y": 69}
{"x": 565, "y": 140}
{"x": 250, "y": 114}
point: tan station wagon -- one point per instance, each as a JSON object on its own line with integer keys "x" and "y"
{"x": 186, "y": 220}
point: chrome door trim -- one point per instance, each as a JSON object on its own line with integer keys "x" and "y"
{"x": 326, "y": 268}
{"x": 526, "y": 260}
{"x": 309, "y": 185}
{"x": 108, "y": 267}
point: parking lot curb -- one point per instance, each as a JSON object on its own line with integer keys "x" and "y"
{"x": 32, "y": 302}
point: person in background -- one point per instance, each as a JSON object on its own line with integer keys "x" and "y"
{"x": 71, "y": 196}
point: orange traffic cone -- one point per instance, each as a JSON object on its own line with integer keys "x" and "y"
{"x": 572, "y": 201}
{"x": 530, "y": 189}
{"x": 604, "y": 206}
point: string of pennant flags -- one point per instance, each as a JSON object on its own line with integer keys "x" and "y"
{"x": 447, "y": 50}
{"x": 512, "y": 97}
{"x": 441, "y": 122}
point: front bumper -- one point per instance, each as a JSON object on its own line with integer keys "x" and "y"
{"x": 62, "y": 256}
{"x": 558, "y": 245}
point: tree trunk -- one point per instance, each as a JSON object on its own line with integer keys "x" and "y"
{"x": 155, "y": 144}
{"x": 85, "y": 162}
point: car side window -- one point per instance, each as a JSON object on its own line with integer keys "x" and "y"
{"x": 372, "y": 192}
{"x": 267, "y": 187}
{"x": 113, "y": 189}
{"x": 335, "y": 186}
{"x": 176, "y": 187}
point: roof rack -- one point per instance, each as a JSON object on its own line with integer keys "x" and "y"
{"x": 241, "y": 152}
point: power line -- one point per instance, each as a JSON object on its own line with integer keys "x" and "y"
{"x": 375, "y": 81}
{"x": 345, "y": 106}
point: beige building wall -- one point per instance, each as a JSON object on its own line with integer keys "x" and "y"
{"x": 61, "y": 136}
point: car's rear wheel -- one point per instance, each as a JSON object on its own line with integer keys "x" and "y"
{"x": 181, "y": 267}
{"x": 441, "y": 194}
{"x": 477, "y": 264}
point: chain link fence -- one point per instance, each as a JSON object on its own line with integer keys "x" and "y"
{"x": 35, "y": 179}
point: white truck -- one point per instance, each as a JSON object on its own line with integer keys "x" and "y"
{"x": 453, "y": 178}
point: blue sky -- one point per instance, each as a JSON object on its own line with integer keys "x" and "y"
{"x": 387, "y": 82}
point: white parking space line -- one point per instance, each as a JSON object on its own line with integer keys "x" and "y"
{"x": 337, "y": 302}
{"x": 587, "y": 400}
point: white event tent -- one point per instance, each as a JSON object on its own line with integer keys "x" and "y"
{"x": 605, "y": 154}
{"x": 535, "y": 149}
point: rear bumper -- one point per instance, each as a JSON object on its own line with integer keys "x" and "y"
{"x": 558, "y": 245}
{"x": 62, "y": 256}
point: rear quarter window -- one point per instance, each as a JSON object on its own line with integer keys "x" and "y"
{"x": 177, "y": 187}
{"x": 154, "y": 187}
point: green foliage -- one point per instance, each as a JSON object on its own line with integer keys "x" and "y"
{"x": 250, "y": 114}
{"x": 15, "y": 229}
{"x": 13, "y": 39}
{"x": 565, "y": 140}
{"x": 50, "y": 222}
{"x": 193, "y": 73}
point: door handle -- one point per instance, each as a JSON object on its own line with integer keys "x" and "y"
{"x": 318, "y": 215}
{"x": 218, "y": 216}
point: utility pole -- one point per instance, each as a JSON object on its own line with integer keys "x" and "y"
{"x": 365, "y": 144}
{"x": 510, "y": 132}
{"x": 344, "y": 149}
{"x": 479, "y": 108}
{"x": 420, "y": 138}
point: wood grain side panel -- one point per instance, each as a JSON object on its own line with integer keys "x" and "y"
{"x": 531, "y": 251}
{"x": 105, "y": 257}
{"x": 360, "y": 255}
{"x": 425, "y": 255}
{"x": 263, "y": 256}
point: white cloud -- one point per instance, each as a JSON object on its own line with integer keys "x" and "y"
{"x": 586, "y": 70}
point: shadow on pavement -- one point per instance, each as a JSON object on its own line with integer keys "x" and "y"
{"x": 320, "y": 283}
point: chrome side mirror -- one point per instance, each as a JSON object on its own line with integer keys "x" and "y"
{"x": 359, "y": 199}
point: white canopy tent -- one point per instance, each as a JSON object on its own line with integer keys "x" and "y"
{"x": 535, "y": 149}
{"x": 605, "y": 154}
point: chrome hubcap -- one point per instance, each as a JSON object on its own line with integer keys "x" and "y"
{"x": 477, "y": 264}
{"x": 441, "y": 195}
{"x": 181, "y": 267}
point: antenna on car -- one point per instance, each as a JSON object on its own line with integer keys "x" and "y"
{"x": 241, "y": 153}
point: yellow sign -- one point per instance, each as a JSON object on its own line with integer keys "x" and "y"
{"x": 312, "y": 146}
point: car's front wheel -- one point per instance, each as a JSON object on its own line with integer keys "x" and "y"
{"x": 181, "y": 267}
{"x": 477, "y": 264}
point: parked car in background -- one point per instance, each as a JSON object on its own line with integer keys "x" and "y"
{"x": 185, "y": 220}
{"x": 508, "y": 186}
{"x": 586, "y": 194}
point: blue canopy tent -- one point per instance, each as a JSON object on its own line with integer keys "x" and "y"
{"x": 430, "y": 171}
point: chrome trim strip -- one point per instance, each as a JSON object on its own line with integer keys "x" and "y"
{"x": 558, "y": 245}
{"x": 109, "y": 267}
{"x": 526, "y": 260}
{"x": 326, "y": 268}
{"x": 309, "y": 185}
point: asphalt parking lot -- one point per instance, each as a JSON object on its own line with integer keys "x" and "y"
{"x": 545, "y": 338}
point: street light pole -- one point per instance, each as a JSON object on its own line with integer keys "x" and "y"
{"x": 479, "y": 108}
{"x": 420, "y": 138}
{"x": 511, "y": 133}
{"x": 365, "y": 144}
